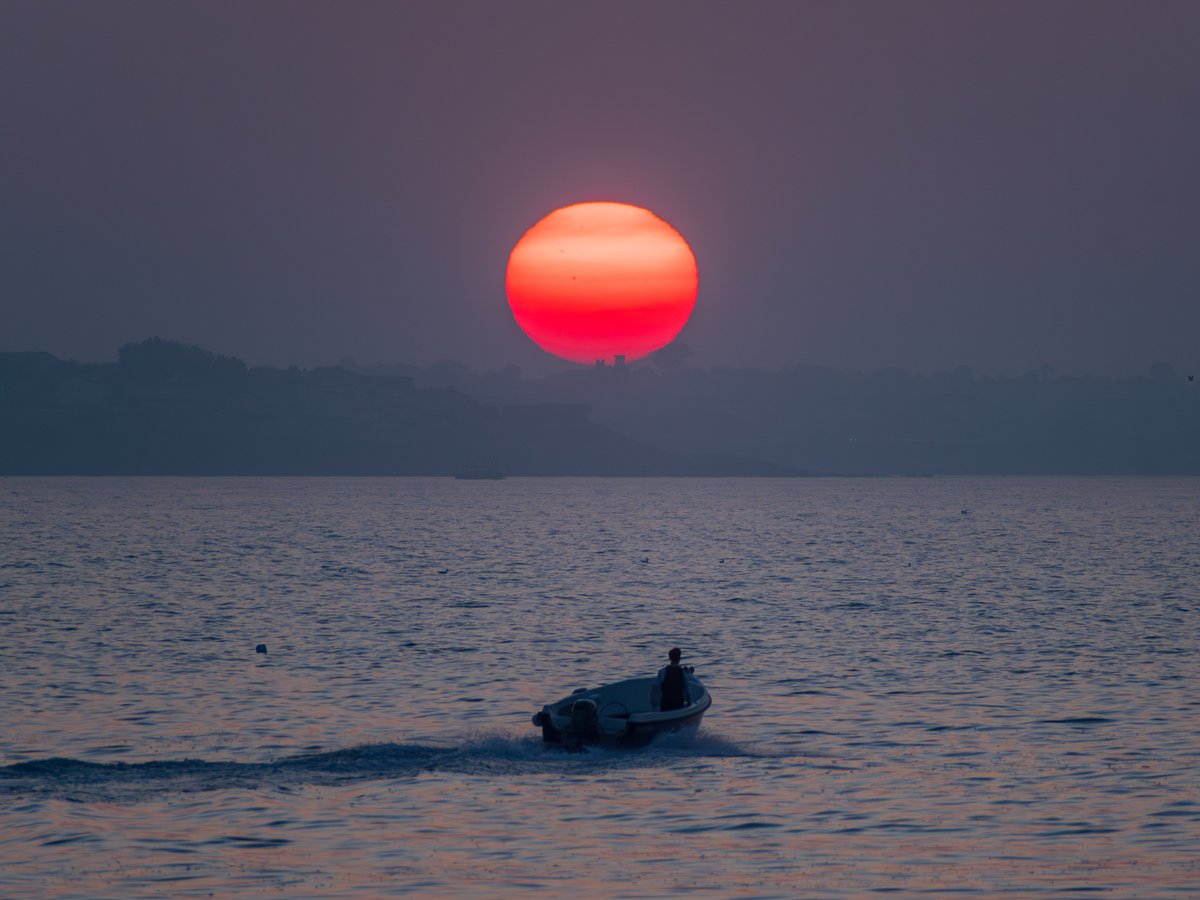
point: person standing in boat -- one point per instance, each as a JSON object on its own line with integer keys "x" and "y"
{"x": 673, "y": 684}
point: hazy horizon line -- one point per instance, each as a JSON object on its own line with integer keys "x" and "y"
{"x": 1159, "y": 369}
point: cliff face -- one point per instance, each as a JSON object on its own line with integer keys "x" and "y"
{"x": 169, "y": 409}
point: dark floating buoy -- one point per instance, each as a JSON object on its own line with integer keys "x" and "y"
{"x": 261, "y": 648}
{"x": 443, "y": 571}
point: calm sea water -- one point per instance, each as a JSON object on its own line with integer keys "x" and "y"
{"x": 979, "y": 686}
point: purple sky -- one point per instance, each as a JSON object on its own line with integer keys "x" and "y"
{"x": 913, "y": 184}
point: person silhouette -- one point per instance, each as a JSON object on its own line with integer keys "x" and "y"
{"x": 673, "y": 683}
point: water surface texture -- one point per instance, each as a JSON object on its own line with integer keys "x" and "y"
{"x": 921, "y": 686}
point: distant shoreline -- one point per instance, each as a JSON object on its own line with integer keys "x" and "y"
{"x": 169, "y": 409}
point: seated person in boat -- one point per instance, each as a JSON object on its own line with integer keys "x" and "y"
{"x": 673, "y": 684}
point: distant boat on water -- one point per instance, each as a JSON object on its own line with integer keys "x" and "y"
{"x": 491, "y": 473}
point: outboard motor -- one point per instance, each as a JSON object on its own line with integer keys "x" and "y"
{"x": 585, "y": 721}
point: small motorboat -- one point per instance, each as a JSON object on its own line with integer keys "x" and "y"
{"x": 622, "y": 714}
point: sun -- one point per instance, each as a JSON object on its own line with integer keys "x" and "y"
{"x": 592, "y": 281}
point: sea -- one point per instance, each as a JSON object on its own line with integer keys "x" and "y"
{"x": 921, "y": 687}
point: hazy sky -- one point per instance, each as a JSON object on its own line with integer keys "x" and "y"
{"x": 911, "y": 184}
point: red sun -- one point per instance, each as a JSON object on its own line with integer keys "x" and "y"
{"x": 594, "y": 280}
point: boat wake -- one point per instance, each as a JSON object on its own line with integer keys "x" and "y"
{"x": 480, "y": 754}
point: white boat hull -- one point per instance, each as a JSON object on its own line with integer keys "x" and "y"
{"x": 621, "y": 714}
